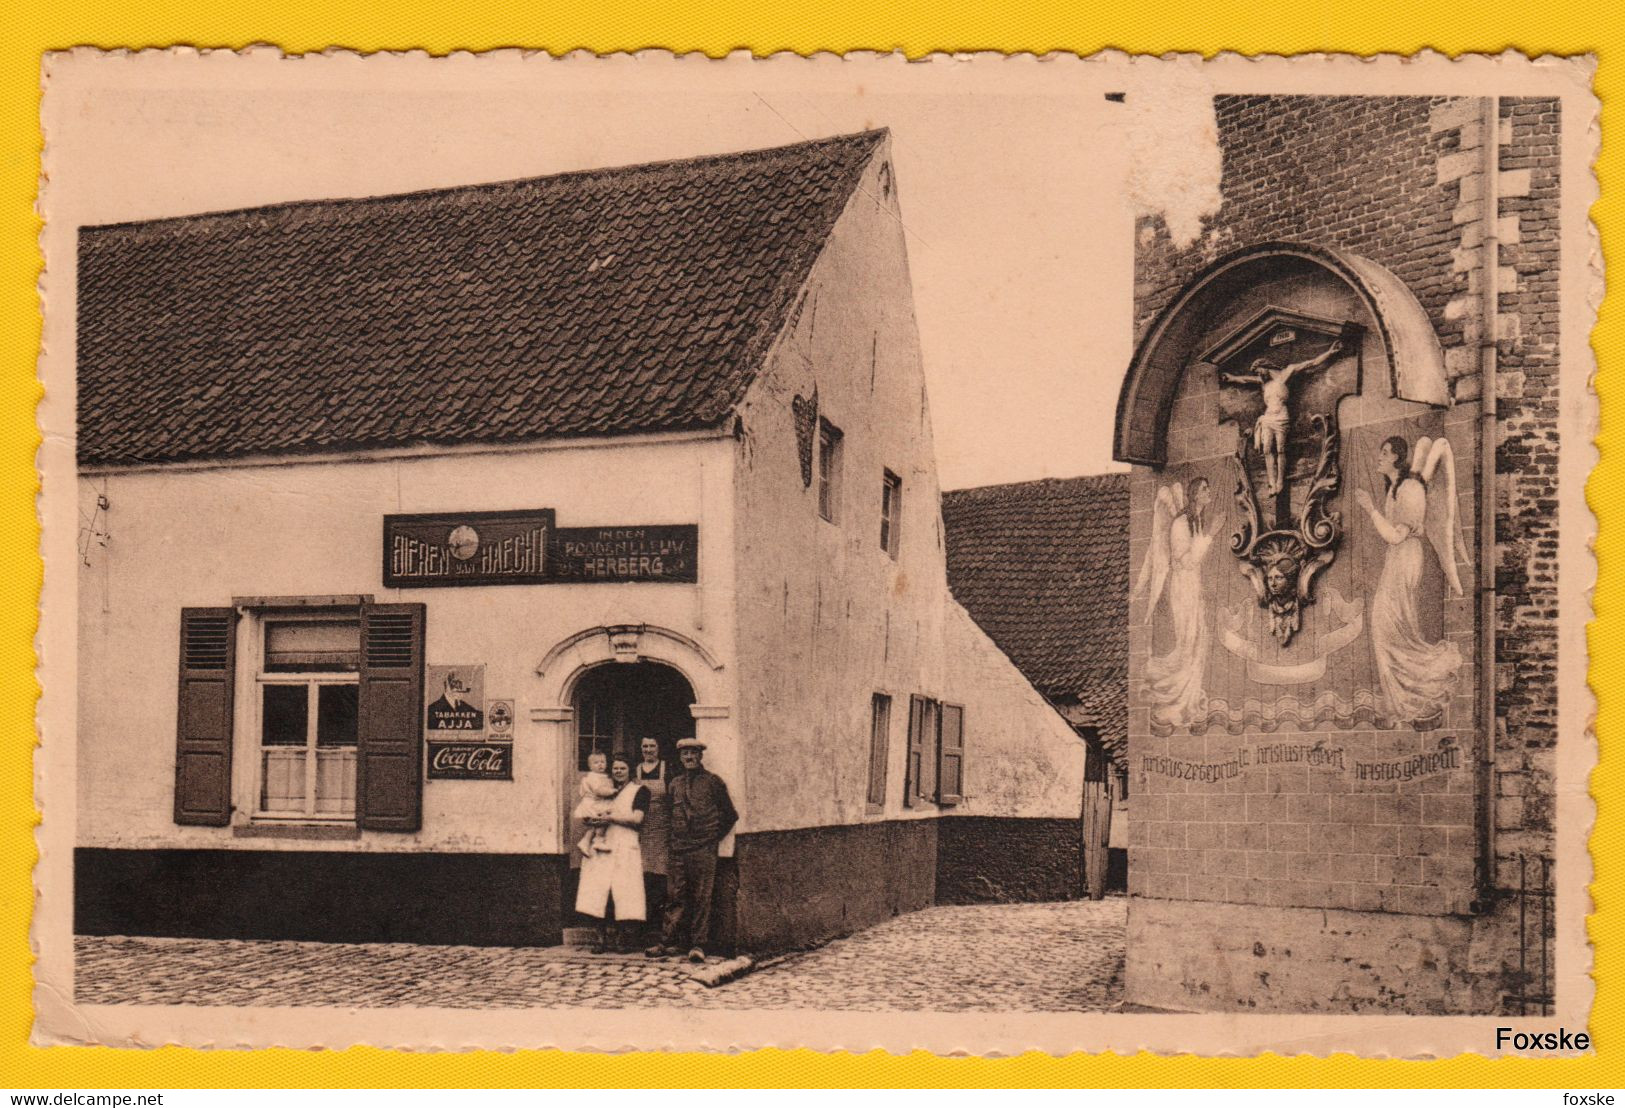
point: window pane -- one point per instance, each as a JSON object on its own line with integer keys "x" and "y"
{"x": 595, "y": 727}
{"x": 335, "y": 782}
{"x": 879, "y": 735}
{"x": 829, "y": 469}
{"x": 312, "y": 645}
{"x": 283, "y": 780}
{"x": 891, "y": 503}
{"x": 336, "y": 714}
{"x": 284, "y": 715}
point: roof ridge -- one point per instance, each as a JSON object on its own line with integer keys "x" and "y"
{"x": 1111, "y": 477}
{"x": 513, "y": 184}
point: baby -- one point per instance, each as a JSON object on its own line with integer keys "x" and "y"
{"x": 597, "y": 790}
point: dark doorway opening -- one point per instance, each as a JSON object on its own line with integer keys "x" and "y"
{"x": 619, "y": 704}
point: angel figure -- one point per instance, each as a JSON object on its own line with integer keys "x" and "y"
{"x": 1270, "y": 429}
{"x": 1417, "y": 676}
{"x": 1181, "y": 536}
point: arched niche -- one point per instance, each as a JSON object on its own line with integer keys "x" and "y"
{"x": 1399, "y": 336}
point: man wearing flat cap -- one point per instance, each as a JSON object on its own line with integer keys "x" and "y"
{"x": 702, "y": 814}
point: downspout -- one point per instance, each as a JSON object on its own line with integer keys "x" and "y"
{"x": 1489, "y": 289}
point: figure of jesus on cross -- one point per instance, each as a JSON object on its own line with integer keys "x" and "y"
{"x": 1270, "y": 429}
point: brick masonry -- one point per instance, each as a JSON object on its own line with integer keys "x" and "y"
{"x": 1399, "y": 181}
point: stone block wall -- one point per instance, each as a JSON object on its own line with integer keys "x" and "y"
{"x": 1526, "y": 459}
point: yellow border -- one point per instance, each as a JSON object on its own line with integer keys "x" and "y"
{"x": 716, "y": 27}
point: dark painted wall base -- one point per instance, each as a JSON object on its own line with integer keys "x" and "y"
{"x": 982, "y": 859}
{"x": 797, "y": 887}
{"x": 782, "y": 889}
{"x": 324, "y": 896}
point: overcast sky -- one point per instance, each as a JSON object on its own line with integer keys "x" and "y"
{"x": 1012, "y": 190}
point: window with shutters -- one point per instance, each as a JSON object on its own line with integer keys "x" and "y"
{"x": 309, "y": 700}
{"x": 879, "y": 749}
{"x": 936, "y": 753}
{"x": 321, "y": 708}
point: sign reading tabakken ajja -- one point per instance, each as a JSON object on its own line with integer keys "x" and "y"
{"x": 467, "y": 739}
{"x": 525, "y": 547}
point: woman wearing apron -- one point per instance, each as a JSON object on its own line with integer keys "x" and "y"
{"x": 612, "y": 879}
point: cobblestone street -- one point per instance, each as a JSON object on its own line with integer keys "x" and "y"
{"x": 1001, "y": 957}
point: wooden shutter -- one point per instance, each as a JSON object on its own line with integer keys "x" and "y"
{"x": 916, "y": 752}
{"x": 389, "y": 734}
{"x": 951, "y": 754}
{"x": 203, "y": 732}
{"x": 921, "y": 786}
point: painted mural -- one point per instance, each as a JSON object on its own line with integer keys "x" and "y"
{"x": 1327, "y": 608}
{"x": 1181, "y": 538}
{"x": 1417, "y": 676}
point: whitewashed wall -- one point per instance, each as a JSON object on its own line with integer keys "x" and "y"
{"x": 826, "y": 617}
{"x": 201, "y": 537}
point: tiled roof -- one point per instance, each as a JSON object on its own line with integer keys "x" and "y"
{"x": 602, "y": 302}
{"x": 1042, "y": 566}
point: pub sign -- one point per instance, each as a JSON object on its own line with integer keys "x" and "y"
{"x": 526, "y": 548}
{"x": 467, "y": 548}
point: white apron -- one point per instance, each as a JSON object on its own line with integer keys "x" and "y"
{"x": 617, "y": 872}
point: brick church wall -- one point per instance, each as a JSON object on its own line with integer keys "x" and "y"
{"x": 1398, "y": 180}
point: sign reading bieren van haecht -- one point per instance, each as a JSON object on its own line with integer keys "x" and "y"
{"x": 526, "y": 548}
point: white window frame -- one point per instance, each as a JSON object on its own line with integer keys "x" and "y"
{"x": 891, "y": 512}
{"x": 831, "y": 441}
{"x": 872, "y": 806}
{"x": 250, "y": 749}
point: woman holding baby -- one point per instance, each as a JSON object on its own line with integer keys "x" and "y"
{"x": 612, "y": 860}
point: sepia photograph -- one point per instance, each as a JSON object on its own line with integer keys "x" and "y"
{"x": 617, "y": 553}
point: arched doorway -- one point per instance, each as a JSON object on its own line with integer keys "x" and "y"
{"x": 618, "y": 704}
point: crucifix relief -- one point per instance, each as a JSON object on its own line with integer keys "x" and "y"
{"x": 1288, "y": 535}
{"x": 1275, "y": 384}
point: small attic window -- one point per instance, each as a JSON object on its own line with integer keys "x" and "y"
{"x": 829, "y": 470}
{"x": 601, "y": 263}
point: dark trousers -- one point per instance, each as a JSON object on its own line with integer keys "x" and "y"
{"x": 654, "y": 896}
{"x": 690, "y": 876}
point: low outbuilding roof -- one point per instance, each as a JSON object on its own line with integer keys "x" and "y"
{"x": 595, "y": 303}
{"x": 1042, "y": 567}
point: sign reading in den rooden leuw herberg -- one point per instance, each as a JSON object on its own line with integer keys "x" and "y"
{"x": 526, "y": 548}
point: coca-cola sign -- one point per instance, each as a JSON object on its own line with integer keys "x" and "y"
{"x": 464, "y": 761}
